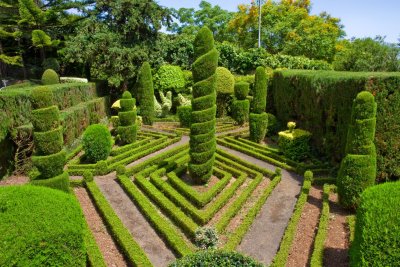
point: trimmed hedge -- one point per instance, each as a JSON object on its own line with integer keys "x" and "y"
{"x": 49, "y": 77}
{"x": 49, "y": 142}
{"x": 241, "y": 90}
{"x": 145, "y": 94}
{"x": 377, "y": 234}
{"x": 42, "y": 97}
{"x": 45, "y": 119}
{"x": 127, "y": 129}
{"x": 295, "y": 144}
{"x": 50, "y": 165}
{"x": 131, "y": 249}
{"x": 97, "y": 143}
{"x": 258, "y": 126}
{"x": 44, "y": 229}
{"x": 60, "y": 182}
{"x": 224, "y": 85}
{"x": 240, "y": 111}
{"x": 216, "y": 258}
{"x": 321, "y": 102}
{"x": 260, "y": 91}
{"x": 203, "y": 118}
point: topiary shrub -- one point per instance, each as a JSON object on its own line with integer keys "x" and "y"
{"x": 377, "y": 233}
{"x": 97, "y": 143}
{"x": 258, "y": 118}
{"x": 127, "y": 129}
{"x": 273, "y": 125}
{"x": 166, "y": 103}
{"x": 87, "y": 176}
{"x": 224, "y": 85}
{"x": 294, "y": 143}
{"x": 42, "y": 97}
{"x": 188, "y": 80}
{"x": 40, "y": 227}
{"x": 206, "y": 238}
{"x": 50, "y": 77}
{"x": 215, "y": 258}
{"x": 358, "y": 168}
{"x": 184, "y": 115}
{"x": 203, "y": 105}
{"x": 240, "y": 106}
{"x": 169, "y": 77}
{"x": 145, "y": 94}
{"x": 241, "y": 90}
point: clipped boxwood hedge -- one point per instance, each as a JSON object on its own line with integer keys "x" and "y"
{"x": 377, "y": 234}
{"x": 216, "y": 258}
{"x": 44, "y": 229}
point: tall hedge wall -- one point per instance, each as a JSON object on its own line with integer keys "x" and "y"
{"x": 321, "y": 101}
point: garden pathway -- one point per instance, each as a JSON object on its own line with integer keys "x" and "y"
{"x": 263, "y": 239}
{"x": 141, "y": 230}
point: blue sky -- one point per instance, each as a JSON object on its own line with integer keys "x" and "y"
{"x": 361, "y": 18}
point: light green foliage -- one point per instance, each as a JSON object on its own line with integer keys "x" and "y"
{"x": 240, "y": 111}
{"x": 215, "y": 258}
{"x": 40, "y": 39}
{"x": 295, "y": 143}
{"x": 203, "y": 105}
{"x": 358, "y": 168}
{"x": 166, "y": 103}
{"x": 183, "y": 101}
{"x": 127, "y": 128}
{"x": 145, "y": 94}
{"x": 258, "y": 126}
{"x": 241, "y": 90}
{"x": 157, "y": 108}
{"x": 42, "y": 97}
{"x": 96, "y": 143}
{"x": 50, "y": 77}
{"x": 224, "y": 84}
{"x": 376, "y": 238}
{"x": 44, "y": 229}
{"x": 206, "y": 238}
{"x": 169, "y": 77}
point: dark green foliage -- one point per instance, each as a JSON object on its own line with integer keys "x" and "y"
{"x": 356, "y": 173}
{"x": 42, "y": 97}
{"x": 184, "y": 114}
{"x": 240, "y": 111}
{"x": 49, "y": 142}
{"x": 377, "y": 234}
{"x": 127, "y": 134}
{"x": 295, "y": 145}
{"x": 127, "y": 128}
{"x": 45, "y": 119}
{"x": 169, "y": 78}
{"x": 127, "y": 104}
{"x": 51, "y": 63}
{"x": 203, "y": 108}
{"x": 96, "y": 143}
{"x": 273, "y": 125}
{"x": 323, "y": 101}
{"x": 50, "y": 165}
{"x": 145, "y": 94}
{"x": 60, "y": 182}
{"x": 258, "y": 126}
{"x": 241, "y": 90}
{"x": 40, "y": 227}
{"x": 126, "y": 95}
{"x": 50, "y": 77}
{"x": 358, "y": 168}
{"x": 259, "y": 102}
{"x": 215, "y": 258}
{"x": 126, "y": 118}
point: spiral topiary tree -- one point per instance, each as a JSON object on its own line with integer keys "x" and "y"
{"x": 203, "y": 122}
{"x": 127, "y": 128}
{"x": 145, "y": 94}
{"x": 258, "y": 116}
{"x": 241, "y": 105}
{"x": 358, "y": 168}
{"x": 49, "y": 158}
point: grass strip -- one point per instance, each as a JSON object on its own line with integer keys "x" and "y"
{"x": 162, "y": 226}
{"x": 130, "y": 248}
{"x": 290, "y": 232}
{"x": 318, "y": 252}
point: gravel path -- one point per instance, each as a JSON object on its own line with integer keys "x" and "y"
{"x": 112, "y": 256}
{"x": 262, "y": 240}
{"x": 141, "y": 230}
{"x": 14, "y": 180}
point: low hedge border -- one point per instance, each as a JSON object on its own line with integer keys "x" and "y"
{"x": 290, "y": 232}
{"x": 131, "y": 249}
{"x": 318, "y": 252}
{"x": 237, "y": 236}
{"x": 198, "y": 199}
{"x": 76, "y": 183}
{"x": 161, "y": 225}
{"x": 126, "y": 148}
{"x": 74, "y": 152}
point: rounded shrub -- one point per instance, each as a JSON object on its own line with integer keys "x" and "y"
{"x": 169, "y": 78}
{"x": 87, "y": 176}
{"x": 145, "y": 94}
{"x": 42, "y": 97}
{"x": 377, "y": 234}
{"x": 97, "y": 143}
{"x": 50, "y": 77}
{"x": 44, "y": 229}
{"x": 203, "y": 116}
{"x": 215, "y": 258}
{"x": 224, "y": 84}
{"x": 241, "y": 90}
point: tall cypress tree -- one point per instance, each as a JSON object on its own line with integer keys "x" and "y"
{"x": 202, "y": 129}
{"x": 145, "y": 94}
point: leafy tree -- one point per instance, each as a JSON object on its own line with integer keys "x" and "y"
{"x": 288, "y": 27}
{"x": 367, "y": 54}
{"x": 117, "y": 38}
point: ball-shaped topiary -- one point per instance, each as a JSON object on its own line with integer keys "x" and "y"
{"x": 145, "y": 94}
{"x": 169, "y": 77}
{"x": 40, "y": 227}
{"x": 97, "y": 143}
{"x": 203, "y": 106}
{"x": 50, "y": 77}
